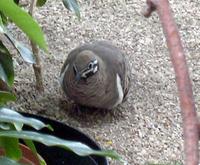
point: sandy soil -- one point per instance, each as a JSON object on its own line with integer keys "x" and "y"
{"x": 147, "y": 127}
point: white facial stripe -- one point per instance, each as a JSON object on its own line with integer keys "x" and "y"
{"x": 95, "y": 62}
{"x": 63, "y": 75}
{"x": 86, "y": 72}
{"x": 95, "y": 69}
{"x": 119, "y": 91}
{"x": 90, "y": 70}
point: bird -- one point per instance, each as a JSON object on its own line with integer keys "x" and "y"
{"x": 96, "y": 75}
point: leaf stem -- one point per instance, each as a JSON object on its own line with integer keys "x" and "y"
{"x": 37, "y": 66}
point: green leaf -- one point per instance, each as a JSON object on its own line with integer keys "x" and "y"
{"x": 32, "y": 147}
{"x": 76, "y": 147}
{"x": 16, "y": 1}
{"x": 1, "y": 29}
{"x": 4, "y": 18}
{"x": 5, "y": 126}
{"x": 8, "y": 161}
{"x": 6, "y": 65}
{"x": 40, "y": 3}
{"x": 10, "y": 116}
{"x": 73, "y": 6}
{"x": 6, "y": 97}
{"x": 18, "y": 126}
{"x": 11, "y": 146}
{"x": 24, "y": 21}
{"x": 1, "y": 24}
{"x": 26, "y": 54}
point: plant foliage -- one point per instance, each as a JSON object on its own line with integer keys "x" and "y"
{"x": 11, "y": 122}
{"x": 24, "y": 21}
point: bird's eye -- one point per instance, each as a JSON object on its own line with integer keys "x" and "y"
{"x": 90, "y": 66}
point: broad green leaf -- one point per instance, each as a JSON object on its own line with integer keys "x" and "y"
{"x": 32, "y": 147}
{"x": 18, "y": 126}
{"x": 5, "y": 126}
{"x": 6, "y": 65}
{"x": 24, "y": 21}
{"x": 76, "y": 147}
{"x": 1, "y": 29}
{"x": 72, "y": 5}
{"x": 16, "y": 1}
{"x": 1, "y": 24}
{"x": 6, "y": 97}
{"x": 11, "y": 146}
{"x": 26, "y": 54}
{"x": 8, "y": 161}
{"x": 40, "y": 3}
{"x": 4, "y": 18}
{"x": 10, "y": 116}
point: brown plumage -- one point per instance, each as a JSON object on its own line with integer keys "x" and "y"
{"x": 96, "y": 75}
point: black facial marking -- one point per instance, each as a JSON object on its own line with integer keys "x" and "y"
{"x": 75, "y": 69}
{"x": 91, "y": 68}
{"x": 89, "y": 74}
{"x": 90, "y": 65}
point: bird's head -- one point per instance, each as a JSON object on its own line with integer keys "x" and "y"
{"x": 86, "y": 65}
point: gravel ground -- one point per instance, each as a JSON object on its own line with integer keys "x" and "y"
{"x": 147, "y": 127}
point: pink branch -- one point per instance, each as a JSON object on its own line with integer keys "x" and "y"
{"x": 189, "y": 116}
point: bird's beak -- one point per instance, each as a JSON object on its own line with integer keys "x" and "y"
{"x": 78, "y": 76}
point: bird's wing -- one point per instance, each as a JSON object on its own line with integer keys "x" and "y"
{"x": 71, "y": 57}
{"x": 116, "y": 60}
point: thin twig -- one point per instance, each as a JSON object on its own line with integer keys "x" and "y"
{"x": 37, "y": 66}
{"x": 189, "y": 116}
